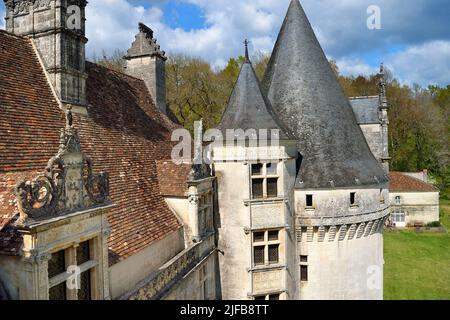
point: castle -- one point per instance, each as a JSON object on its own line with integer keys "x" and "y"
{"x": 93, "y": 207}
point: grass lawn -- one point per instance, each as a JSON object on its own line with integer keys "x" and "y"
{"x": 417, "y": 265}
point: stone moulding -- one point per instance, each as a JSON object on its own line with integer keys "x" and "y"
{"x": 342, "y": 232}
{"x": 172, "y": 272}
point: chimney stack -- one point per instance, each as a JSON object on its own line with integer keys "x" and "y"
{"x": 57, "y": 28}
{"x": 146, "y": 61}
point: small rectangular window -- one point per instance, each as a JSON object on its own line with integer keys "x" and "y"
{"x": 257, "y": 188}
{"x": 303, "y": 258}
{"x": 257, "y": 169}
{"x": 258, "y": 236}
{"x": 272, "y": 187}
{"x": 83, "y": 254}
{"x": 273, "y": 235}
{"x": 352, "y": 198}
{"x": 84, "y": 293}
{"x": 273, "y": 253}
{"x": 56, "y": 264}
{"x": 258, "y": 255}
{"x": 259, "y": 298}
{"x": 397, "y": 200}
{"x": 274, "y": 297}
{"x": 309, "y": 200}
{"x": 304, "y": 273}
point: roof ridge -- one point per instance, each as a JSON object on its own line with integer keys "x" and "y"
{"x": 12, "y": 34}
{"x": 113, "y": 70}
{"x": 415, "y": 179}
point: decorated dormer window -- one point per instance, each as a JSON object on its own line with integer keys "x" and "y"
{"x": 264, "y": 180}
{"x": 63, "y": 220}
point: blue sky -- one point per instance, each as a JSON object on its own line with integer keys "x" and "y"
{"x": 414, "y": 39}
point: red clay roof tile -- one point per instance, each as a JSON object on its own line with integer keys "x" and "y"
{"x": 124, "y": 134}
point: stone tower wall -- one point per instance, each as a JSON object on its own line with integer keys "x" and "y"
{"x": 57, "y": 28}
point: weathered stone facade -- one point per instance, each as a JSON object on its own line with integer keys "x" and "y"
{"x": 146, "y": 61}
{"x": 57, "y": 28}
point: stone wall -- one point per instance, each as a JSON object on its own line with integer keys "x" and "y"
{"x": 179, "y": 278}
{"x": 62, "y": 50}
{"x": 419, "y": 207}
{"x": 240, "y": 216}
{"x": 343, "y": 242}
{"x": 144, "y": 263}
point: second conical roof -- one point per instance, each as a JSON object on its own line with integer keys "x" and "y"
{"x": 306, "y": 96}
{"x": 248, "y": 108}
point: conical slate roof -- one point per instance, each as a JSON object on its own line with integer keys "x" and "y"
{"x": 307, "y": 97}
{"x": 248, "y": 108}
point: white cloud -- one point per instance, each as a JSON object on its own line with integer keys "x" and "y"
{"x": 355, "y": 67}
{"x": 340, "y": 27}
{"x": 112, "y": 24}
{"x": 424, "y": 64}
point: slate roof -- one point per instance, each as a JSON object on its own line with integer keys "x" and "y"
{"x": 307, "y": 97}
{"x": 400, "y": 182}
{"x": 248, "y": 108}
{"x": 124, "y": 134}
{"x": 366, "y": 109}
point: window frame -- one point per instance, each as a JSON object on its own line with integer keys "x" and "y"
{"x": 70, "y": 259}
{"x": 266, "y": 244}
{"x": 265, "y": 177}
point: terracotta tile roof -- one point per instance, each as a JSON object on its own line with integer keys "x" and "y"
{"x": 123, "y": 133}
{"x": 403, "y": 183}
{"x": 173, "y": 178}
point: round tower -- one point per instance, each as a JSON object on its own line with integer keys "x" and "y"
{"x": 341, "y": 191}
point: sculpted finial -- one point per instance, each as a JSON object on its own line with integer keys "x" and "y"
{"x": 247, "y": 59}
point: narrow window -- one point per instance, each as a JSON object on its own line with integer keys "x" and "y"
{"x": 85, "y": 286}
{"x": 309, "y": 200}
{"x": 303, "y": 258}
{"x": 273, "y": 254}
{"x": 304, "y": 273}
{"x": 257, "y": 188}
{"x": 352, "y": 198}
{"x": 56, "y": 264}
{"x": 272, "y": 188}
{"x": 83, "y": 254}
{"x": 258, "y": 255}
{"x": 398, "y": 200}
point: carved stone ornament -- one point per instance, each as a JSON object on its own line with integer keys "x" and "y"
{"x": 199, "y": 171}
{"x": 18, "y": 7}
{"x": 67, "y": 185}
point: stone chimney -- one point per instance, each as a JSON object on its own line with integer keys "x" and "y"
{"x": 146, "y": 61}
{"x": 57, "y": 28}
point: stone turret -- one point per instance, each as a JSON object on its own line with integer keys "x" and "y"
{"x": 306, "y": 95}
{"x": 57, "y": 28}
{"x": 383, "y": 114}
{"x": 146, "y": 61}
{"x": 341, "y": 190}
